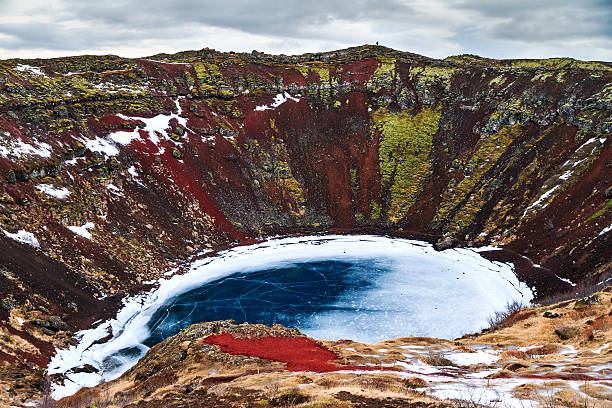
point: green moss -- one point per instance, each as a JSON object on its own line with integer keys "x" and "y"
{"x": 320, "y": 68}
{"x": 468, "y": 59}
{"x": 488, "y": 150}
{"x": 383, "y": 76}
{"x": 211, "y": 82}
{"x": 428, "y": 75}
{"x": 375, "y": 211}
{"x": 498, "y": 80}
{"x": 326, "y": 73}
{"x": 354, "y": 181}
{"x": 607, "y": 206}
{"x": 404, "y": 147}
{"x": 558, "y": 63}
{"x": 189, "y": 79}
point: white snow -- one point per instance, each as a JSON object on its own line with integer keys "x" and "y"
{"x": 19, "y": 148}
{"x": 100, "y": 145}
{"x": 154, "y": 128}
{"x": 418, "y": 367}
{"x": 114, "y": 88}
{"x": 566, "y": 175}
{"x": 479, "y": 392}
{"x": 542, "y": 198}
{"x": 83, "y": 230}
{"x": 167, "y": 62}
{"x": 481, "y": 289}
{"x": 602, "y": 348}
{"x": 565, "y": 280}
{"x": 279, "y": 99}
{"x": 605, "y": 230}
{"x": 30, "y": 69}
{"x": 24, "y": 237}
{"x": 569, "y": 349}
{"x": 466, "y": 359}
{"x": 48, "y": 189}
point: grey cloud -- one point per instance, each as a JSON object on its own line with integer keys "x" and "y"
{"x": 464, "y": 25}
{"x": 544, "y": 20}
{"x": 266, "y": 17}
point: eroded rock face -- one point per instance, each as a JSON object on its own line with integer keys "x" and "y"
{"x": 114, "y": 170}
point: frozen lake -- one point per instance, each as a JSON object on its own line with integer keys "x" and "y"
{"x": 363, "y": 288}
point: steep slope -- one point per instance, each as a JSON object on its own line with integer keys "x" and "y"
{"x": 114, "y": 169}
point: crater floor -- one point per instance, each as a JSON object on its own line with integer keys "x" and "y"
{"x": 362, "y": 288}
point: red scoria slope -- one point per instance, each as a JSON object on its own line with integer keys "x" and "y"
{"x": 161, "y": 157}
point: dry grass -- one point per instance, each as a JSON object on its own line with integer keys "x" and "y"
{"x": 542, "y": 330}
{"x": 582, "y": 289}
{"x": 507, "y": 317}
{"x": 565, "y": 332}
{"x": 415, "y": 382}
{"x": 515, "y": 354}
{"x": 437, "y": 359}
{"x": 543, "y": 350}
{"x": 100, "y": 399}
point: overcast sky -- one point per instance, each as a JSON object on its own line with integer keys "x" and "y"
{"x": 436, "y": 28}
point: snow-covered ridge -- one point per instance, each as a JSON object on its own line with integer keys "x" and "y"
{"x": 495, "y": 284}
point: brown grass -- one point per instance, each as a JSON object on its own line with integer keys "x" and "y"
{"x": 415, "y": 382}
{"x": 508, "y": 317}
{"x": 515, "y": 354}
{"x": 436, "y": 359}
{"x": 582, "y": 289}
{"x": 565, "y": 332}
{"x": 542, "y": 350}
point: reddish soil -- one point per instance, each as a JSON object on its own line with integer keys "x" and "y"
{"x": 299, "y": 353}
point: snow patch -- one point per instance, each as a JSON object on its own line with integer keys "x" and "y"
{"x": 602, "y": 348}
{"x": 466, "y": 359}
{"x": 565, "y": 280}
{"x": 101, "y": 146}
{"x": 279, "y": 99}
{"x": 83, "y": 230}
{"x": 29, "y": 69}
{"x": 114, "y": 189}
{"x": 52, "y": 191}
{"x": 19, "y": 148}
{"x": 566, "y": 175}
{"x": 24, "y": 237}
{"x": 154, "y": 127}
{"x": 542, "y": 198}
{"x": 605, "y": 230}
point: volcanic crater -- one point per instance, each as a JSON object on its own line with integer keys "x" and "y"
{"x": 118, "y": 172}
